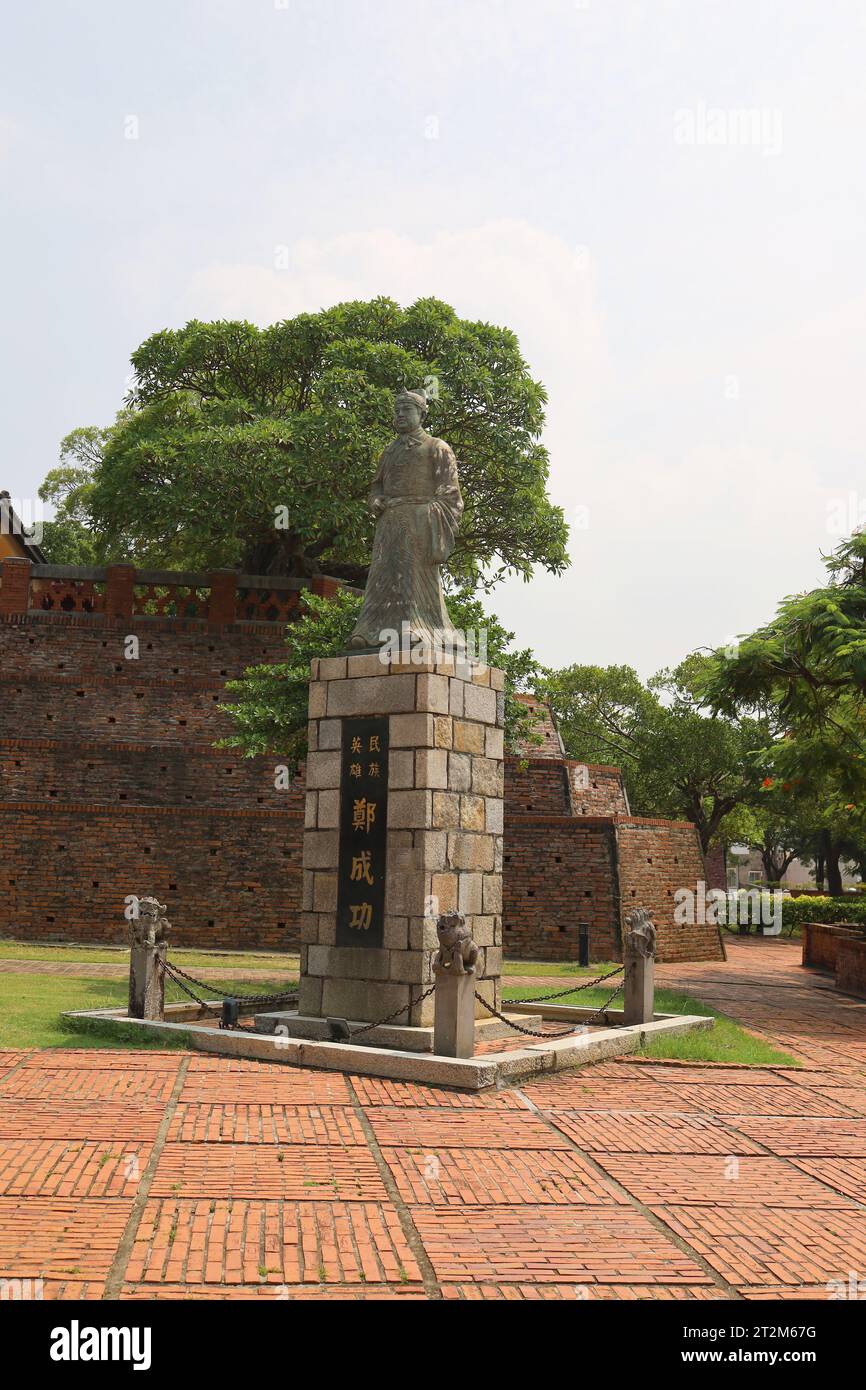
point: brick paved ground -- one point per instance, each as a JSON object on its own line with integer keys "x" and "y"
{"x": 182, "y": 1176}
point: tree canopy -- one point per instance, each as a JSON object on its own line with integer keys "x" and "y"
{"x": 679, "y": 760}
{"x": 255, "y": 448}
{"x": 809, "y": 666}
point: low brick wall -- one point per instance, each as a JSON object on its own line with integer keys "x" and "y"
{"x": 851, "y": 965}
{"x": 230, "y": 878}
{"x": 821, "y": 942}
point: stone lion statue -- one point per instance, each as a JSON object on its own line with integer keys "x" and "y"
{"x": 457, "y": 952}
{"x": 640, "y": 933}
{"x": 150, "y": 927}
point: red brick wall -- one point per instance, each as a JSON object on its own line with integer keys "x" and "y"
{"x": 821, "y": 942}
{"x": 851, "y": 966}
{"x": 559, "y": 872}
{"x": 657, "y": 857}
{"x": 110, "y": 785}
{"x": 230, "y": 879}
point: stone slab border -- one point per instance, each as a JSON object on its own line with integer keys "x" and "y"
{"x": 489, "y": 1071}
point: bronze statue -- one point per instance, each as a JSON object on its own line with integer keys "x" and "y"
{"x": 416, "y": 498}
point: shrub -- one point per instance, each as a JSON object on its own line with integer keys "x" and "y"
{"x": 850, "y": 908}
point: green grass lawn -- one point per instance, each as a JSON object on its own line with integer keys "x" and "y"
{"x": 726, "y": 1042}
{"x": 560, "y": 967}
{"x": 119, "y": 955}
{"x": 31, "y": 1005}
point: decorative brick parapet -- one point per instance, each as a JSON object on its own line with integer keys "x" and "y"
{"x": 444, "y": 829}
{"x": 14, "y": 585}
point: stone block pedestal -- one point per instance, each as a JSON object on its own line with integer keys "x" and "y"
{"x": 441, "y": 727}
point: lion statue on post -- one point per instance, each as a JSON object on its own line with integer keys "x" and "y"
{"x": 458, "y": 953}
{"x": 640, "y": 933}
{"x": 150, "y": 927}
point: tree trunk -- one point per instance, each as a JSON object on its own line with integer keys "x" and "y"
{"x": 834, "y": 874}
{"x": 819, "y": 871}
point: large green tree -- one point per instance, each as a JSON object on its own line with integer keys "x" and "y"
{"x": 807, "y": 668}
{"x": 255, "y": 448}
{"x": 679, "y": 760}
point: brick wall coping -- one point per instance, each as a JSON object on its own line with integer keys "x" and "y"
{"x": 540, "y": 761}
{"x": 100, "y": 745}
{"x": 149, "y": 620}
{"x": 98, "y": 574}
{"x": 134, "y": 808}
{"x": 529, "y": 819}
{"x": 128, "y": 679}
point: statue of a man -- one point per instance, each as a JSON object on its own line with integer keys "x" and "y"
{"x": 416, "y": 497}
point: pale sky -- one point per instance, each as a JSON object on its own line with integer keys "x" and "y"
{"x": 688, "y": 282}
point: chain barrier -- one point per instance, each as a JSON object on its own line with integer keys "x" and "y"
{"x": 229, "y": 994}
{"x": 518, "y": 1027}
{"x": 380, "y": 1023}
{"x": 571, "y": 989}
{"x": 177, "y": 976}
{"x": 597, "y": 1016}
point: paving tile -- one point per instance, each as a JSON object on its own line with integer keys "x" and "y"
{"x": 270, "y": 1242}
{"x": 288, "y": 1293}
{"x": 847, "y": 1175}
{"x": 805, "y": 1136}
{"x": 592, "y": 1293}
{"x": 551, "y": 1245}
{"x": 622, "y": 1132}
{"x": 52, "y": 1237}
{"x": 757, "y": 1246}
{"x": 82, "y": 1083}
{"x": 282, "y": 1085}
{"x": 298, "y": 1171}
{"x": 65, "y": 1168}
{"x": 103, "y": 1059}
{"x": 580, "y": 1091}
{"x": 755, "y": 1100}
{"x": 498, "y": 1177}
{"x": 372, "y": 1090}
{"x": 720, "y": 1180}
{"x": 266, "y": 1124}
{"x": 79, "y": 1119}
{"x": 487, "y": 1129}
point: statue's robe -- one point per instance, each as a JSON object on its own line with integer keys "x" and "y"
{"x": 417, "y": 498}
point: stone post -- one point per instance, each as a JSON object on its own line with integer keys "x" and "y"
{"x": 454, "y": 1000}
{"x": 147, "y": 980}
{"x": 149, "y": 931}
{"x": 639, "y": 960}
{"x": 443, "y": 727}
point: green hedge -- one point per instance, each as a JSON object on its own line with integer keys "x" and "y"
{"x": 849, "y": 908}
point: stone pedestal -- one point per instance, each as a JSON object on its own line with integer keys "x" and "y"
{"x": 443, "y": 842}
{"x": 639, "y": 987}
{"x": 454, "y": 1023}
{"x": 147, "y": 981}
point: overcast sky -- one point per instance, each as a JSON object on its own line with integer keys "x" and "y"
{"x": 665, "y": 200}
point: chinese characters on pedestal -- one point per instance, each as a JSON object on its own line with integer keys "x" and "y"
{"x": 363, "y": 827}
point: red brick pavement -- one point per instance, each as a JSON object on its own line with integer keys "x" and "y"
{"x": 142, "y": 1175}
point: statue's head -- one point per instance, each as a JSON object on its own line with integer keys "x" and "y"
{"x": 451, "y": 928}
{"x": 410, "y": 408}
